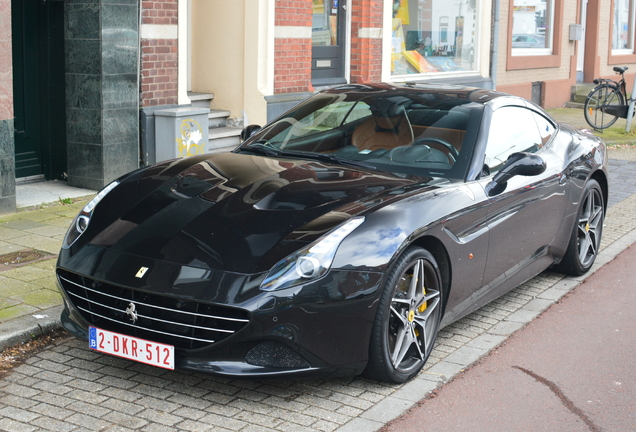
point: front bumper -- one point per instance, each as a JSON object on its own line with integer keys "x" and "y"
{"x": 322, "y": 327}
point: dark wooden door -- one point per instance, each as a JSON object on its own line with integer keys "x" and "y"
{"x": 26, "y": 88}
{"x": 39, "y": 88}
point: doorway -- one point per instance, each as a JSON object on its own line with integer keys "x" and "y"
{"x": 39, "y": 88}
{"x": 329, "y": 21}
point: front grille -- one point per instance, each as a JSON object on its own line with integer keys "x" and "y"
{"x": 186, "y": 324}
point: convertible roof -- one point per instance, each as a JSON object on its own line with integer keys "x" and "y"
{"x": 441, "y": 91}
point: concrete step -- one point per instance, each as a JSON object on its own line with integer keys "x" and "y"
{"x": 578, "y": 105}
{"x": 580, "y": 92}
{"x": 223, "y": 139}
{"x": 200, "y": 99}
{"x": 218, "y": 118}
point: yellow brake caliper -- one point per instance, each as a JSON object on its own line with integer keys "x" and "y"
{"x": 420, "y": 309}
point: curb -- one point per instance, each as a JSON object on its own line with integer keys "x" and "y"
{"x": 21, "y": 330}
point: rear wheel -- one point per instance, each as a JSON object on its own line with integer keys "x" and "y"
{"x": 596, "y": 105}
{"x": 408, "y": 317}
{"x": 586, "y": 237}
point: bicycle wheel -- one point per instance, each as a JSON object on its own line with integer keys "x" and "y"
{"x": 596, "y": 104}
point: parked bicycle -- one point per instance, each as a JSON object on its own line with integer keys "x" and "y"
{"x": 607, "y": 101}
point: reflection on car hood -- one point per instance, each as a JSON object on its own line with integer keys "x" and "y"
{"x": 235, "y": 212}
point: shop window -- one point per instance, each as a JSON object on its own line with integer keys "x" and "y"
{"x": 532, "y": 27}
{"x": 434, "y": 36}
{"x": 623, "y": 27}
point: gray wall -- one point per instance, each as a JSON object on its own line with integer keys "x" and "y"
{"x": 102, "y": 90}
{"x": 7, "y": 167}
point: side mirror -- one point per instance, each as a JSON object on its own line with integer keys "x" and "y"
{"x": 521, "y": 163}
{"x": 248, "y": 131}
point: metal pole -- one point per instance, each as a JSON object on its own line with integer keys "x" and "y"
{"x": 630, "y": 109}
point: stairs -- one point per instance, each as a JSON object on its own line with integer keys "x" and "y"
{"x": 579, "y": 94}
{"x": 221, "y": 137}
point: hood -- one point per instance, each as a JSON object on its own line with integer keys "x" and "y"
{"x": 235, "y": 212}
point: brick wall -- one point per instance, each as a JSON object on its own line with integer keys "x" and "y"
{"x": 161, "y": 12}
{"x": 366, "y": 50}
{"x": 159, "y": 57}
{"x": 292, "y": 56}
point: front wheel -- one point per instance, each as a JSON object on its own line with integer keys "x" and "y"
{"x": 586, "y": 236}
{"x": 596, "y": 105}
{"x": 407, "y": 320}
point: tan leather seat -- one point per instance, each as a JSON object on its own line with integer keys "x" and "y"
{"x": 379, "y": 132}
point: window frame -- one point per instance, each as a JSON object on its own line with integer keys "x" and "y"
{"x": 622, "y": 56}
{"x": 543, "y": 59}
{"x": 518, "y": 52}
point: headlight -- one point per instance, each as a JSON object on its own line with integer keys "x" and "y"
{"x": 81, "y": 221}
{"x": 311, "y": 262}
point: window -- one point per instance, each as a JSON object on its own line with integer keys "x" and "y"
{"x": 434, "y": 36}
{"x": 513, "y": 129}
{"x": 546, "y": 128}
{"x": 324, "y": 22}
{"x": 532, "y": 27}
{"x": 623, "y": 27}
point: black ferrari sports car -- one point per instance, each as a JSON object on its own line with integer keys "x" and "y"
{"x": 339, "y": 238}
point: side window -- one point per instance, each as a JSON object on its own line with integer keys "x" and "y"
{"x": 546, "y": 128}
{"x": 513, "y": 129}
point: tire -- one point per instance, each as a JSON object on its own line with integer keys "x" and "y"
{"x": 586, "y": 235}
{"x": 407, "y": 319}
{"x": 596, "y": 102}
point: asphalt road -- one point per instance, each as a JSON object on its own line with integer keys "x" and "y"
{"x": 572, "y": 369}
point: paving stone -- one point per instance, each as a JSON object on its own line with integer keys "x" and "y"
{"x": 200, "y": 427}
{"x": 17, "y": 401}
{"x": 18, "y": 414}
{"x": 158, "y": 416}
{"x": 228, "y": 423}
{"x": 8, "y": 424}
{"x": 48, "y": 423}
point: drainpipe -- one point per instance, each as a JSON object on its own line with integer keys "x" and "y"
{"x": 494, "y": 44}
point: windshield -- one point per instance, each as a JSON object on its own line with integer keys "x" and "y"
{"x": 408, "y": 132}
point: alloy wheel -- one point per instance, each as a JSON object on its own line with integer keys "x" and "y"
{"x": 414, "y": 316}
{"x": 590, "y": 225}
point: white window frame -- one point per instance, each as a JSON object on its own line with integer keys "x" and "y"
{"x": 536, "y": 51}
{"x": 630, "y": 32}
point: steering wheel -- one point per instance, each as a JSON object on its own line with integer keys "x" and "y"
{"x": 453, "y": 154}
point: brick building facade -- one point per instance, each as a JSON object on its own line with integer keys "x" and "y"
{"x": 159, "y": 55}
{"x": 91, "y": 118}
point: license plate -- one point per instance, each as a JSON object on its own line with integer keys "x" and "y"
{"x": 132, "y": 348}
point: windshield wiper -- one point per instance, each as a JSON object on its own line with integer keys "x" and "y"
{"x": 326, "y": 157}
{"x": 262, "y": 149}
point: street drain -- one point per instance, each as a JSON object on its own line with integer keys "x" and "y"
{"x": 20, "y": 257}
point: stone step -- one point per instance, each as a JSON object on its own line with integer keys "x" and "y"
{"x": 580, "y": 92}
{"x": 223, "y": 139}
{"x": 218, "y": 118}
{"x": 578, "y": 105}
{"x": 200, "y": 99}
